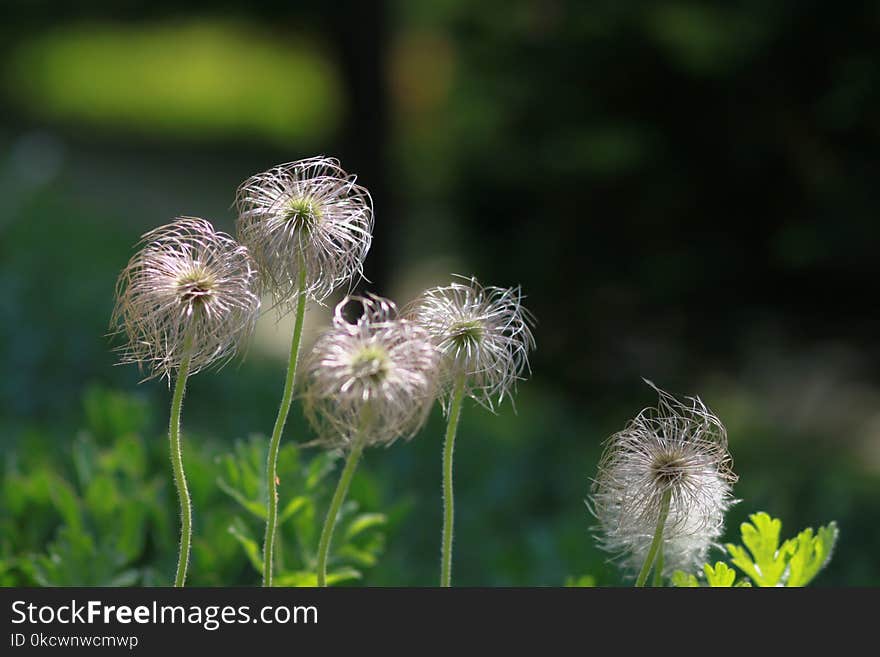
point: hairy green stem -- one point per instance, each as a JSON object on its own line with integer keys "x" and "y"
{"x": 658, "y": 539}
{"x": 177, "y": 462}
{"x": 275, "y": 441}
{"x": 448, "y": 501}
{"x": 338, "y": 497}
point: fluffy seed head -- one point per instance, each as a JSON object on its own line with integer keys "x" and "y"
{"x": 374, "y": 377}
{"x": 187, "y": 284}
{"x": 305, "y": 216}
{"x": 676, "y": 447}
{"x": 483, "y": 334}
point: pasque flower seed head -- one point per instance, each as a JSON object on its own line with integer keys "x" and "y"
{"x": 306, "y": 217}
{"x": 372, "y": 379}
{"x": 483, "y": 333}
{"x": 190, "y": 291}
{"x": 675, "y": 448}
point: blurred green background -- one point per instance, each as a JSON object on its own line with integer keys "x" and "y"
{"x": 686, "y": 191}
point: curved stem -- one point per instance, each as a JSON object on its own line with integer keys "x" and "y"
{"x": 275, "y": 441}
{"x": 448, "y": 500}
{"x": 658, "y": 539}
{"x": 338, "y": 497}
{"x": 177, "y": 463}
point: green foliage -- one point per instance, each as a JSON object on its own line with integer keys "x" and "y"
{"x": 720, "y": 575}
{"x": 794, "y": 563}
{"x": 580, "y": 581}
{"x": 359, "y": 539}
{"x": 681, "y": 579}
{"x": 811, "y": 554}
{"x": 767, "y": 563}
{"x": 103, "y": 511}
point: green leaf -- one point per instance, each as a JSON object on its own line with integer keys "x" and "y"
{"x": 719, "y": 576}
{"x": 349, "y": 552}
{"x": 66, "y": 502}
{"x": 319, "y": 468}
{"x": 794, "y": 563}
{"x": 241, "y": 533}
{"x": 811, "y": 554}
{"x": 252, "y": 506}
{"x": 768, "y": 561}
{"x": 364, "y": 522}
{"x": 293, "y": 507}
{"x": 580, "y": 581}
{"x": 307, "y": 578}
{"x": 683, "y": 580}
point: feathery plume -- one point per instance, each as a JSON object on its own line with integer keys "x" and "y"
{"x": 306, "y": 219}
{"x": 189, "y": 291}
{"x": 374, "y": 377}
{"x": 675, "y": 449}
{"x": 483, "y": 333}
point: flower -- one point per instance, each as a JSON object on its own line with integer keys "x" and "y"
{"x": 373, "y": 379}
{"x": 305, "y": 218}
{"x": 483, "y": 333}
{"x": 189, "y": 292}
{"x": 676, "y": 448}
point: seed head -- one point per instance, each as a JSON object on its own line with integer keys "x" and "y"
{"x": 676, "y": 447}
{"x": 189, "y": 290}
{"x": 374, "y": 377}
{"x": 483, "y": 333}
{"x": 307, "y": 215}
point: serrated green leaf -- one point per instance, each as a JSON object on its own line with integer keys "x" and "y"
{"x": 761, "y": 536}
{"x": 719, "y": 576}
{"x": 683, "y": 580}
{"x": 767, "y": 562}
{"x": 810, "y": 554}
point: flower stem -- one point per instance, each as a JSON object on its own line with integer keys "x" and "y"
{"x": 177, "y": 462}
{"x": 275, "y": 441}
{"x": 338, "y": 497}
{"x": 448, "y": 501}
{"x": 658, "y": 568}
{"x": 658, "y": 539}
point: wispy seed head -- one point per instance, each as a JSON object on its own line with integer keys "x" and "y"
{"x": 189, "y": 290}
{"x": 305, "y": 217}
{"x": 675, "y": 447}
{"x": 483, "y": 333}
{"x": 374, "y": 377}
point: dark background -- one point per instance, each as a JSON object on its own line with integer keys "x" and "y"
{"x": 687, "y": 192}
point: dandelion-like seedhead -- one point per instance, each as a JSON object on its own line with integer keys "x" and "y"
{"x": 374, "y": 377}
{"x": 307, "y": 215}
{"x": 676, "y": 447}
{"x": 188, "y": 291}
{"x": 483, "y": 333}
